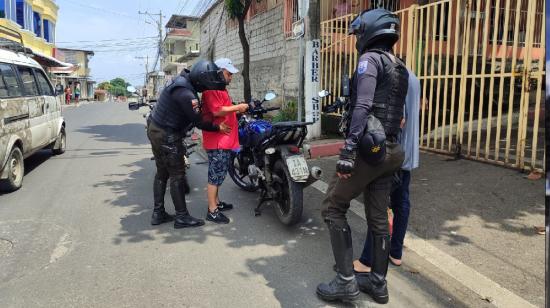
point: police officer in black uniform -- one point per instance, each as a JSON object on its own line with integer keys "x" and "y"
{"x": 177, "y": 110}
{"x": 370, "y": 156}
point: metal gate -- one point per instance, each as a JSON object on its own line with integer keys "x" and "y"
{"x": 481, "y": 66}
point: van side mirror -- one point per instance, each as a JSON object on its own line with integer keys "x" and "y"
{"x": 345, "y": 86}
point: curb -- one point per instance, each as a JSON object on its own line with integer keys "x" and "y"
{"x": 325, "y": 149}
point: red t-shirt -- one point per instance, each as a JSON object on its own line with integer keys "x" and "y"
{"x": 213, "y": 101}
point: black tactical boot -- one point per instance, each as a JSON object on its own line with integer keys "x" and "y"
{"x": 183, "y": 219}
{"x": 343, "y": 286}
{"x": 374, "y": 283}
{"x": 160, "y": 217}
{"x": 159, "y": 214}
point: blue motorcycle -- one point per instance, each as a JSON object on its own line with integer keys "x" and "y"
{"x": 271, "y": 160}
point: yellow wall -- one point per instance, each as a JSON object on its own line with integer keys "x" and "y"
{"x": 48, "y": 9}
{"x": 76, "y": 57}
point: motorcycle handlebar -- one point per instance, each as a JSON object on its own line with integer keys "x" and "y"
{"x": 338, "y": 103}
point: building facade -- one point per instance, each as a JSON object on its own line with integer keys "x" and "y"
{"x": 181, "y": 44}
{"x": 35, "y": 20}
{"x": 76, "y": 75}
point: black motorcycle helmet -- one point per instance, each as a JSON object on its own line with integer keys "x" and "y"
{"x": 372, "y": 146}
{"x": 375, "y": 28}
{"x": 206, "y": 75}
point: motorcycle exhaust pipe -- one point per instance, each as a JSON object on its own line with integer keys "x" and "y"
{"x": 315, "y": 174}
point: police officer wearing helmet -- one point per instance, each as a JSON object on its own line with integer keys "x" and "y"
{"x": 370, "y": 156}
{"x": 176, "y": 111}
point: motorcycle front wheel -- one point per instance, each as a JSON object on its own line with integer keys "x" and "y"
{"x": 290, "y": 195}
{"x": 241, "y": 178}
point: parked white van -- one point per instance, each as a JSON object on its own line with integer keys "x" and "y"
{"x": 30, "y": 116}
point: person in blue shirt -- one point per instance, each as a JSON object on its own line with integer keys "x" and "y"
{"x": 400, "y": 195}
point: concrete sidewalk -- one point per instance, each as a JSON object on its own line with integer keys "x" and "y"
{"x": 476, "y": 223}
{"x": 472, "y": 223}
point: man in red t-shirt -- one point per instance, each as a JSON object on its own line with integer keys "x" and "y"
{"x": 218, "y": 108}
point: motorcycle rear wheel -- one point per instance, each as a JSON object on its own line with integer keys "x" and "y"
{"x": 242, "y": 180}
{"x": 290, "y": 195}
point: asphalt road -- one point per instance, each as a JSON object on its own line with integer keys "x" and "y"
{"x": 78, "y": 235}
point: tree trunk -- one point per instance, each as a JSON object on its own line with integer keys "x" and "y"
{"x": 246, "y": 53}
{"x": 246, "y": 61}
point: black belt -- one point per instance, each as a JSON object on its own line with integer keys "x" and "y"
{"x": 167, "y": 129}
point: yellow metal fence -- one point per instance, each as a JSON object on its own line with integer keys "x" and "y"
{"x": 481, "y": 66}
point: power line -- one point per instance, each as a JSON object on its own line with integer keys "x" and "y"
{"x": 201, "y": 7}
{"x": 111, "y": 40}
{"x": 100, "y": 9}
{"x": 160, "y": 37}
{"x": 125, "y": 49}
{"x": 100, "y": 46}
{"x": 183, "y": 6}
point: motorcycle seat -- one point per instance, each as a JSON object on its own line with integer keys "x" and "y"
{"x": 289, "y": 124}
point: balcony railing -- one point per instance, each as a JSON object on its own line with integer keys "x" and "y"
{"x": 173, "y": 58}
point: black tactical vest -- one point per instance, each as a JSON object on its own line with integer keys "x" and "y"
{"x": 390, "y": 93}
{"x": 167, "y": 112}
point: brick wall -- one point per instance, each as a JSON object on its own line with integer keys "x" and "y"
{"x": 273, "y": 59}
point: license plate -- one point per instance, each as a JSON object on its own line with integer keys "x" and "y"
{"x": 297, "y": 166}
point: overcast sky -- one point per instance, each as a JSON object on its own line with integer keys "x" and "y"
{"x": 116, "y": 32}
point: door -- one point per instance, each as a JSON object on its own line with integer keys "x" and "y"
{"x": 39, "y": 122}
{"x": 52, "y": 109}
{"x": 14, "y": 111}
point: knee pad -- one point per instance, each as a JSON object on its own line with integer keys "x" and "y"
{"x": 337, "y": 224}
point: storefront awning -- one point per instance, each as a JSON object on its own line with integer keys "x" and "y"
{"x": 48, "y": 61}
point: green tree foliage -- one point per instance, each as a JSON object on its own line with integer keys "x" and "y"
{"x": 117, "y": 87}
{"x": 104, "y": 86}
{"x": 235, "y": 8}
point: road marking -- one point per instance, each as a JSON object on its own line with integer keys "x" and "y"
{"x": 470, "y": 278}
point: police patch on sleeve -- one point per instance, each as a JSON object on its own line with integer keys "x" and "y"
{"x": 362, "y": 67}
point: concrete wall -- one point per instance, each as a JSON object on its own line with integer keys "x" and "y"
{"x": 273, "y": 59}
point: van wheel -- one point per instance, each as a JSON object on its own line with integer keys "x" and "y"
{"x": 61, "y": 142}
{"x": 16, "y": 169}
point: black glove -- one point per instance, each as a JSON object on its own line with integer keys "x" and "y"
{"x": 346, "y": 163}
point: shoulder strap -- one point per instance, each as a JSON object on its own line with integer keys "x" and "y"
{"x": 388, "y": 55}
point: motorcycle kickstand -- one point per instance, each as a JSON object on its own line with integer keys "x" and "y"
{"x": 263, "y": 199}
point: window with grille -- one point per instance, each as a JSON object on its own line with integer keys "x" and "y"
{"x": 390, "y": 5}
{"x": 291, "y": 16}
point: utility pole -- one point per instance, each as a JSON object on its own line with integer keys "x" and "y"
{"x": 158, "y": 22}
{"x": 146, "y": 68}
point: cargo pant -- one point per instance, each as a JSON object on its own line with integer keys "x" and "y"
{"x": 168, "y": 151}
{"x": 374, "y": 182}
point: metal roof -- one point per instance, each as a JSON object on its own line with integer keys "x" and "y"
{"x": 179, "y": 21}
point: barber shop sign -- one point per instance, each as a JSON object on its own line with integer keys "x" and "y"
{"x": 312, "y": 78}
